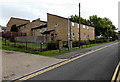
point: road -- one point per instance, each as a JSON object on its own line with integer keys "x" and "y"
{"x": 99, "y": 65}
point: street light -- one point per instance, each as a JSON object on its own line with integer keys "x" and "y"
{"x": 68, "y": 33}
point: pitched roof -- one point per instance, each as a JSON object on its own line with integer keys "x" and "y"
{"x": 57, "y": 16}
{"x": 48, "y": 31}
{"x": 67, "y": 19}
{"x": 40, "y": 26}
{"x": 19, "y": 19}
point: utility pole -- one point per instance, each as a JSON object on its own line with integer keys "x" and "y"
{"x": 79, "y": 25}
{"x": 107, "y": 35}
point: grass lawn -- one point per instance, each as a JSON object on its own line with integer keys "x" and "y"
{"x": 45, "y": 53}
{"x": 30, "y": 45}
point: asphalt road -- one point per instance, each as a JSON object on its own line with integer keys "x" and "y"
{"x": 99, "y": 65}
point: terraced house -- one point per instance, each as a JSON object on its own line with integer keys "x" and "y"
{"x": 25, "y": 26}
{"x": 56, "y": 28}
{"x": 60, "y": 26}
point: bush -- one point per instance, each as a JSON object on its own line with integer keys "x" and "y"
{"x": 101, "y": 40}
{"x": 52, "y": 45}
{"x": 82, "y": 42}
{"x": 75, "y": 43}
{"x": 65, "y": 44}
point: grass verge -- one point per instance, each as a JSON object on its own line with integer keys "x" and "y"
{"x": 45, "y": 53}
{"x": 91, "y": 45}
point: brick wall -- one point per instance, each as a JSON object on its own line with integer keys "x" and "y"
{"x": 60, "y": 25}
{"x": 35, "y": 32}
{"x": 16, "y": 21}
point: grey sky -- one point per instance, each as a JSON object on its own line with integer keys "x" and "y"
{"x": 33, "y": 9}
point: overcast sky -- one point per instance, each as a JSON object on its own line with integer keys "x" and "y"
{"x": 33, "y": 9}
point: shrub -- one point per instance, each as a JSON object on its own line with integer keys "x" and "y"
{"x": 75, "y": 43}
{"x": 82, "y": 42}
{"x": 65, "y": 44}
{"x": 52, "y": 45}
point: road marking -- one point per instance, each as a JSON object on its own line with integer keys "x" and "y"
{"x": 118, "y": 78}
{"x": 115, "y": 73}
{"x": 60, "y": 64}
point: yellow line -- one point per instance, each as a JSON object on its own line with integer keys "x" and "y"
{"x": 115, "y": 73}
{"x": 118, "y": 78}
{"x": 60, "y": 64}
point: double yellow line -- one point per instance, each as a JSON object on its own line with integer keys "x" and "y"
{"x": 116, "y": 75}
{"x": 60, "y": 64}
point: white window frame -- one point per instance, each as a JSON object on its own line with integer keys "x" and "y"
{"x": 56, "y": 25}
{"x": 84, "y": 26}
{"x": 78, "y": 25}
{"x": 73, "y": 24}
{"x": 87, "y": 27}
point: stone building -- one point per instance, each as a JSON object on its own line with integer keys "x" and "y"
{"x": 17, "y": 22}
{"x": 25, "y": 26}
{"x": 60, "y": 26}
{"x": 56, "y": 28}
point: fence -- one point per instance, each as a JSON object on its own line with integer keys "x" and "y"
{"x": 34, "y": 46}
{"x": 52, "y": 45}
{"x": 11, "y": 35}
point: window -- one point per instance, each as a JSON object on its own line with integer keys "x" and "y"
{"x": 45, "y": 29}
{"x": 83, "y": 26}
{"x": 56, "y": 35}
{"x": 78, "y": 25}
{"x": 40, "y": 30}
{"x": 87, "y": 27}
{"x": 88, "y": 36}
{"x": 73, "y": 24}
{"x": 84, "y": 35}
{"x": 52, "y": 36}
{"x": 73, "y": 34}
{"x": 78, "y": 35}
{"x": 56, "y": 25}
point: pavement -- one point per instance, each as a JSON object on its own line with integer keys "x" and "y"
{"x": 17, "y": 64}
{"x": 99, "y": 65}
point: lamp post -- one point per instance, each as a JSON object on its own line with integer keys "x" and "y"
{"x": 68, "y": 33}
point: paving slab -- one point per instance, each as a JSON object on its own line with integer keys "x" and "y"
{"x": 17, "y": 64}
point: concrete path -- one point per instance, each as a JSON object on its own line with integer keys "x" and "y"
{"x": 16, "y": 64}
